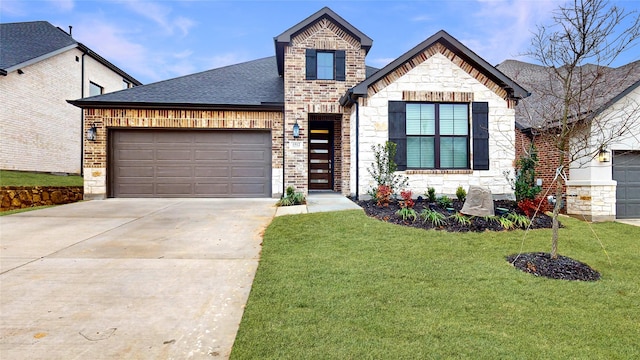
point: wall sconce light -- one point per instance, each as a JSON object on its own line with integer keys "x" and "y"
{"x": 604, "y": 155}
{"x": 92, "y": 133}
{"x": 296, "y": 130}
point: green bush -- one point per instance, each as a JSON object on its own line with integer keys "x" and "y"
{"x": 461, "y": 194}
{"x": 291, "y": 197}
{"x": 431, "y": 194}
{"x": 384, "y": 167}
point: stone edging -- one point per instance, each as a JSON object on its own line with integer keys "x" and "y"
{"x": 20, "y": 197}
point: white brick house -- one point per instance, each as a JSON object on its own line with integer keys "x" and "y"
{"x": 307, "y": 118}
{"x": 41, "y": 67}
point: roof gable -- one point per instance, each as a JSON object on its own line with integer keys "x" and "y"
{"x": 25, "y": 43}
{"x": 442, "y": 42}
{"x": 282, "y": 40}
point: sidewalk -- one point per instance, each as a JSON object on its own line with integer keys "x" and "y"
{"x": 320, "y": 202}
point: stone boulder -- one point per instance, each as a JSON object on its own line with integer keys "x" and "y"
{"x": 479, "y": 202}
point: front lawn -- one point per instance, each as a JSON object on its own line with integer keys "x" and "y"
{"x": 344, "y": 286}
{"x": 23, "y": 178}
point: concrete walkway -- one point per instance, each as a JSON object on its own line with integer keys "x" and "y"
{"x": 634, "y": 222}
{"x": 128, "y": 278}
{"x": 320, "y": 202}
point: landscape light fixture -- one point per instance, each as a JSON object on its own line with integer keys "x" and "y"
{"x": 92, "y": 133}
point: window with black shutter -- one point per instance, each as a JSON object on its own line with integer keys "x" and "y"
{"x": 437, "y": 136}
{"x": 325, "y": 65}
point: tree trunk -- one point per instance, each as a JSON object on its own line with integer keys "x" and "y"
{"x": 555, "y": 224}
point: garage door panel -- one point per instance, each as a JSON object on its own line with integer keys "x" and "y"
{"x": 174, "y": 189}
{"x": 173, "y": 154}
{"x": 253, "y": 189}
{"x": 191, "y": 163}
{"x": 254, "y": 155}
{"x": 135, "y": 154}
{"x": 135, "y": 171}
{"x": 222, "y": 154}
{"x": 251, "y": 172}
{"x": 626, "y": 171}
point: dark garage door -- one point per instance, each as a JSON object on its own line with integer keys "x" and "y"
{"x": 626, "y": 171}
{"x": 197, "y": 163}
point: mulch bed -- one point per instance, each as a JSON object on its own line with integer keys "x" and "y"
{"x": 388, "y": 214}
{"x": 537, "y": 264}
{"x": 563, "y": 268}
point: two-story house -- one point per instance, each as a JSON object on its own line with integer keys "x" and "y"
{"x": 41, "y": 67}
{"x": 307, "y": 117}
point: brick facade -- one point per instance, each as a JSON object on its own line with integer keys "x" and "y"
{"x": 548, "y": 162}
{"x": 305, "y": 98}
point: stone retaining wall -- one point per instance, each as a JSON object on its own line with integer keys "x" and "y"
{"x": 19, "y": 197}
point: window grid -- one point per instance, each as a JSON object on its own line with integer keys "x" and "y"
{"x": 437, "y": 136}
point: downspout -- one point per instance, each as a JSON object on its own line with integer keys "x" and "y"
{"x": 357, "y": 150}
{"x": 81, "y": 114}
{"x": 284, "y": 138}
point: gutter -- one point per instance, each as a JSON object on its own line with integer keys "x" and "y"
{"x": 82, "y": 117}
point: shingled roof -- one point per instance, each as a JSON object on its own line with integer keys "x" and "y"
{"x": 26, "y": 43}
{"x": 247, "y": 85}
{"x": 615, "y": 83}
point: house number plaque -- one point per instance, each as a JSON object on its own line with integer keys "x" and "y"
{"x": 295, "y": 145}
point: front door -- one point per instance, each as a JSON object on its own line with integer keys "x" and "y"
{"x": 320, "y": 159}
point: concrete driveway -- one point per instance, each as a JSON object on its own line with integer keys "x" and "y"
{"x": 128, "y": 278}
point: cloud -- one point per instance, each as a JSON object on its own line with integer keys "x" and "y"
{"x": 421, "y": 18}
{"x": 161, "y": 15}
{"x": 503, "y": 28}
{"x": 63, "y": 5}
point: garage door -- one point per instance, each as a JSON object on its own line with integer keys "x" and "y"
{"x": 626, "y": 171}
{"x": 167, "y": 163}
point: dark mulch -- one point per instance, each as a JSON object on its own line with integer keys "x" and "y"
{"x": 563, "y": 268}
{"x": 388, "y": 214}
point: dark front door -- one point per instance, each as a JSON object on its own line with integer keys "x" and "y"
{"x": 320, "y": 159}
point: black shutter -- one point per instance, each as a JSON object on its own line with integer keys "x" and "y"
{"x": 340, "y": 65}
{"x": 312, "y": 66}
{"x": 398, "y": 131}
{"x": 480, "y": 118}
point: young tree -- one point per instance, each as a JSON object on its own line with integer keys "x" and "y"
{"x": 576, "y": 51}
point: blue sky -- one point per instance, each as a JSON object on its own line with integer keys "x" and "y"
{"x": 160, "y": 39}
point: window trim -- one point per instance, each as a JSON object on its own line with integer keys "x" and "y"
{"x": 91, "y": 83}
{"x": 437, "y": 137}
{"x": 479, "y": 156}
{"x": 339, "y": 64}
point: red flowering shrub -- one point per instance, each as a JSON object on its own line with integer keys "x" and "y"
{"x": 383, "y": 195}
{"x": 407, "y": 201}
{"x": 529, "y": 206}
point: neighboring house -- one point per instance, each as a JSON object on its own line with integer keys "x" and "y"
{"x": 41, "y": 67}
{"x": 597, "y": 188}
{"x": 308, "y": 118}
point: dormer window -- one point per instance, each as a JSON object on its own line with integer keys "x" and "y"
{"x": 325, "y": 65}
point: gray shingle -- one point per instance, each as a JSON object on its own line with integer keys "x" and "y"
{"x": 612, "y": 83}
{"x": 253, "y": 83}
{"x": 21, "y": 42}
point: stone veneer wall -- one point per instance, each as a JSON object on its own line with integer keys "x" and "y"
{"x": 20, "y": 197}
{"x": 438, "y": 75}
{"x": 591, "y": 201}
{"x": 304, "y": 97}
{"x": 95, "y": 160}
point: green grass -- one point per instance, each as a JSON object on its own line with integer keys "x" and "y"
{"x": 16, "y": 211}
{"x": 21, "y": 178}
{"x": 344, "y": 286}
